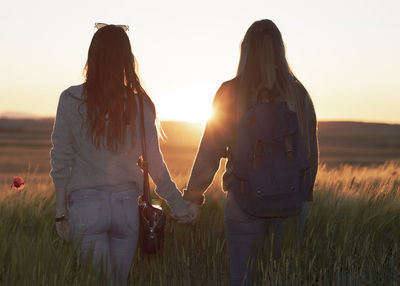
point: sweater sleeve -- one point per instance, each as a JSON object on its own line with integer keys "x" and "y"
{"x": 158, "y": 171}
{"x": 61, "y": 154}
{"x": 213, "y": 147}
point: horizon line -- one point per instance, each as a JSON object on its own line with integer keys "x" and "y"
{"x": 39, "y": 117}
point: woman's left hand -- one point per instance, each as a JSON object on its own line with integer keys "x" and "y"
{"x": 62, "y": 228}
{"x": 62, "y": 208}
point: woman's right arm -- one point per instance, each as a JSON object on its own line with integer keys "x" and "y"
{"x": 213, "y": 146}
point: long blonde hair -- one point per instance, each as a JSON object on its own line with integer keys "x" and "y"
{"x": 264, "y": 71}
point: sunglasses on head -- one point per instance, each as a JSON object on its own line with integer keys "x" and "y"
{"x": 101, "y": 25}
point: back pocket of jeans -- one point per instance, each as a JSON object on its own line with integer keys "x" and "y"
{"x": 84, "y": 213}
{"x": 130, "y": 211}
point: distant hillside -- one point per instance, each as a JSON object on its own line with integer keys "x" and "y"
{"x": 18, "y": 115}
{"x": 184, "y": 133}
{"x": 26, "y": 125}
{"x": 26, "y": 142}
{"x": 357, "y": 128}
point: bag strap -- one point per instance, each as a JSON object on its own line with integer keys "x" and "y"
{"x": 144, "y": 163}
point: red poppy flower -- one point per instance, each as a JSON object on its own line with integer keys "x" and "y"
{"x": 18, "y": 183}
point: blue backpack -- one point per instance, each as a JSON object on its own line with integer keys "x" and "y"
{"x": 271, "y": 171}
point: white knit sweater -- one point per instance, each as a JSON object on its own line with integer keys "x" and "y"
{"x": 77, "y": 164}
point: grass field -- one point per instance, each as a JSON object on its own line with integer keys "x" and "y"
{"x": 351, "y": 238}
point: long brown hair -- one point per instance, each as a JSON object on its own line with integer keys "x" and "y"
{"x": 264, "y": 70}
{"x": 111, "y": 86}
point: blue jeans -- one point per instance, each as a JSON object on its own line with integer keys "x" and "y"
{"x": 245, "y": 234}
{"x": 105, "y": 225}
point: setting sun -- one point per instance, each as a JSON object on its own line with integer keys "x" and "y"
{"x": 187, "y": 104}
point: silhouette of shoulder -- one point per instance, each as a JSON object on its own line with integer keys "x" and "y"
{"x": 74, "y": 92}
{"x": 226, "y": 93}
{"x": 305, "y": 98}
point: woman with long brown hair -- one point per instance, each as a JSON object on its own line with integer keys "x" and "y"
{"x": 263, "y": 72}
{"x": 96, "y": 147}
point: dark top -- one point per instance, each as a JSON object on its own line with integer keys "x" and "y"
{"x": 219, "y": 137}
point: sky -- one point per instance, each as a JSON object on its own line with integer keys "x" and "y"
{"x": 344, "y": 52}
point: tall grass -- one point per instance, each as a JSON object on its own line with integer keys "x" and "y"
{"x": 351, "y": 238}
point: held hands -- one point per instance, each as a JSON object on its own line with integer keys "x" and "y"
{"x": 183, "y": 211}
{"x": 192, "y": 210}
{"x": 187, "y": 215}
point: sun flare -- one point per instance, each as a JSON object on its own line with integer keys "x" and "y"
{"x": 196, "y": 107}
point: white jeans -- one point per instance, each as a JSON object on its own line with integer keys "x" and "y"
{"x": 105, "y": 225}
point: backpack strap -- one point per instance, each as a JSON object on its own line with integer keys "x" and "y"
{"x": 289, "y": 149}
{"x": 234, "y": 121}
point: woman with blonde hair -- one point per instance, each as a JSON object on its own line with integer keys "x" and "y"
{"x": 96, "y": 146}
{"x": 263, "y": 72}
